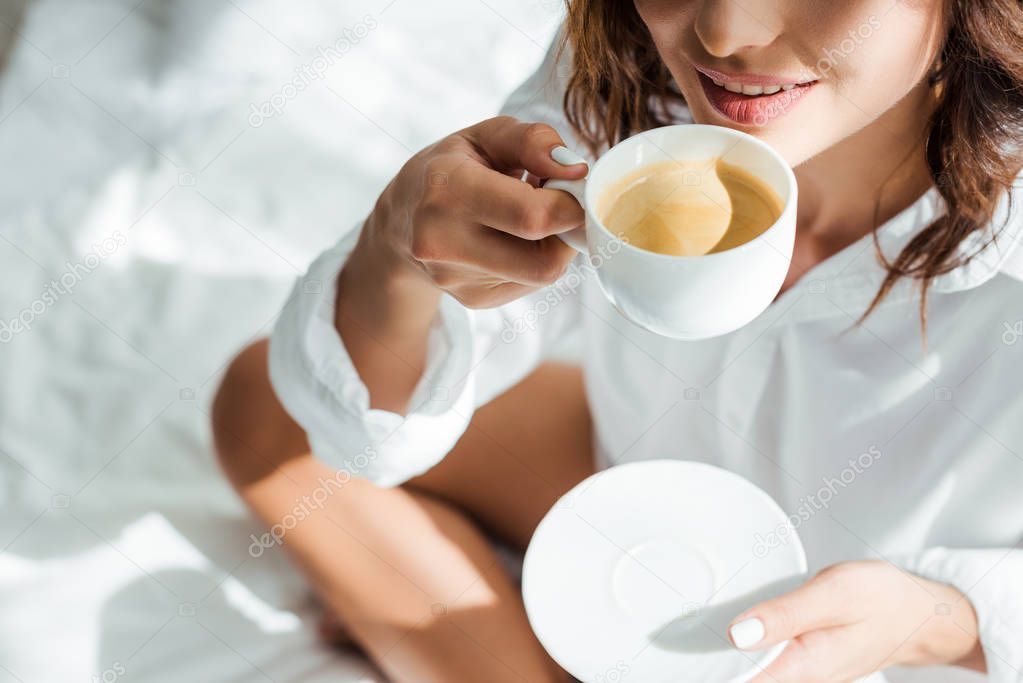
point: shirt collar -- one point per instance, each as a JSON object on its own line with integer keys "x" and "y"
{"x": 850, "y": 279}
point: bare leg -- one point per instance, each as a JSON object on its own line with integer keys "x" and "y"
{"x": 521, "y": 452}
{"x": 407, "y": 570}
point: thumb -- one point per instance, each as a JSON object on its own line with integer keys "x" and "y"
{"x": 810, "y": 607}
{"x": 510, "y": 144}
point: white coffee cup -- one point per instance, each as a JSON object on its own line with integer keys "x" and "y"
{"x": 687, "y": 297}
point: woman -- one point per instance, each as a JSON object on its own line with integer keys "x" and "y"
{"x": 876, "y": 399}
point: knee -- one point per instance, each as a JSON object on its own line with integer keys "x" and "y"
{"x": 252, "y": 433}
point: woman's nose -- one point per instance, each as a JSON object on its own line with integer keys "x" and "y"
{"x": 728, "y": 26}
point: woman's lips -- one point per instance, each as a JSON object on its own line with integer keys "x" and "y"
{"x": 752, "y": 110}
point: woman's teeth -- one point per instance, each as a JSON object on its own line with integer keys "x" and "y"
{"x": 754, "y": 89}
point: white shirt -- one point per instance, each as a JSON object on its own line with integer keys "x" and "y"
{"x": 877, "y": 446}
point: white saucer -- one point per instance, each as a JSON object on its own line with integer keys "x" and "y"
{"x": 637, "y": 572}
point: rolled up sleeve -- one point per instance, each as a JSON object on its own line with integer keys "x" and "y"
{"x": 992, "y": 579}
{"x": 316, "y": 381}
{"x": 472, "y": 355}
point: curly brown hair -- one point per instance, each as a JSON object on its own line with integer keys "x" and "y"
{"x": 620, "y": 86}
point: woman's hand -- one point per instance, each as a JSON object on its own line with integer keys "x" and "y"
{"x": 859, "y": 617}
{"x": 460, "y": 215}
{"x": 456, "y": 218}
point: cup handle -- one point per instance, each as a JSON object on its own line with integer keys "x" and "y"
{"x": 576, "y": 237}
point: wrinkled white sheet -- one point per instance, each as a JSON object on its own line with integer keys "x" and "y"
{"x": 147, "y": 229}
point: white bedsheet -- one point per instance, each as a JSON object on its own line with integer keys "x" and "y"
{"x": 133, "y": 176}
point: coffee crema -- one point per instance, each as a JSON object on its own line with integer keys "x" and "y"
{"x": 689, "y": 208}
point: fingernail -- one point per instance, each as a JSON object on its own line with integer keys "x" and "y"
{"x": 566, "y": 157}
{"x": 747, "y": 633}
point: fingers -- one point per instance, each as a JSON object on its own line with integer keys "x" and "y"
{"x": 513, "y": 206}
{"x": 441, "y": 237}
{"x": 486, "y": 252}
{"x": 792, "y": 665}
{"x": 819, "y": 657}
{"x": 491, "y": 297}
{"x": 781, "y": 670}
{"x": 814, "y": 605}
{"x": 536, "y": 147}
{"x": 534, "y": 263}
{"x": 475, "y": 227}
{"x": 476, "y": 291}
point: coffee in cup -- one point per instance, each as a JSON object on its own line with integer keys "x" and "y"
{"x": 707, "y": 282}
{"x": 689, "y": 208}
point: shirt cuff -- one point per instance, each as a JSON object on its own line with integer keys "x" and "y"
{"x": 317, "y": 383}
{"x": 992, "y": 579}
